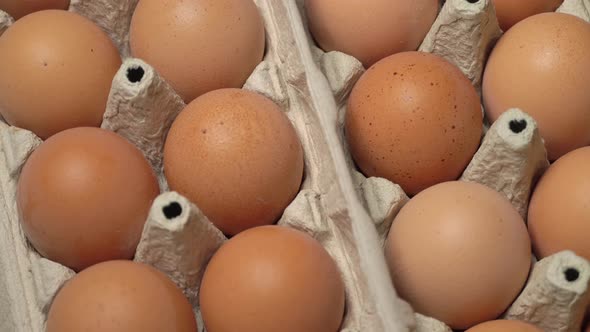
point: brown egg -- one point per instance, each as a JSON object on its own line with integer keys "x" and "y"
{"x": 559, "y": 212}
{"x": 270, "y": 279}
{"x": 20, "y": 8}
{"x": 505, "y": 326}
{"x": 538, "y": 66}
{"x": 199, "y": 45}
{"x": 120, "y": 296}
{"x": 56, "y": 72}
{"x": 236, "y": 155}
{"x": 459, "y": 252}
{"x": 510, "y": 12}
{"x": 415, "y": 119}
{"x": 83, "y": 197}
{"x": 370, "y": 30}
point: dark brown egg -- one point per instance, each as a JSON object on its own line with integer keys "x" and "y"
{"x": 84, "y": 196}
{"x": 56, "y": 71}
{"x": 237, "y": 156}
{"x": 269, "y": 279}
{"x": 120, "y": 296}
{"x": 414, "y": 119}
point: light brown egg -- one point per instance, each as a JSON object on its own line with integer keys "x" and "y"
{"x": 539, "y": 66}
{"x": 120, "y": 296}
{"x": 505, "y": 326}
{"x": 459, "y": 252}
{"x": 56, "y": 72}
{"x": 83, "y": 197}
{"x": 415, "y": 119}
{"x": 199, "y": 45}
{"x": 559, "y": 212}
{"x": 510, "y": 12}
{"x": 20, "y": 8}
{"x": 370, "y": 30}
{"x": 236, "y": 155}
{"x": 270, "y": 279}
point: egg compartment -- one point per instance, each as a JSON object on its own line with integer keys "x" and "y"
{"x": 510, "y": 159}
{"x": 177, "y": 238}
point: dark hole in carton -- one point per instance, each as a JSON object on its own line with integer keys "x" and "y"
{"x": 571, "y": 274}
{"x": 172, "y": 210}
{"x": 135, "y": 74}
{"x": 473, "y": 1}
{"x": 517, "y": 126}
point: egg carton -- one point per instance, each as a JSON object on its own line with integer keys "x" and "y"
{"x": 509, "y": 160}
{"x": 348, "y": 214}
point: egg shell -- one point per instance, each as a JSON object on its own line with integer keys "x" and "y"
{"x": 236, "y": 155}
{"x": 559, "y": 214}
{"x": 414, "y": 119}
{"x": 377, "y": 309}
{"x": 459, "y": 241}
{"x": 503, "y": 326}
{"x": 120, "y": 296}
{"x": 200, "y": 45}
{"x": 66, "y": 188}
{"x": 370, "y": 30}
{"x": 66, "y": 62}
{"x": 18, "y": 9}
{"x": 251, "y": 284}
{"x": 538, "y": 66}
{"x": 511, "y": 12}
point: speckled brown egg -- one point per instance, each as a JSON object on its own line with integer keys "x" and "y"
{"x": 370, "y": 30}
{"x": 510, "y": 12}
{"x": 120, "y": 296}
{"x": 56, "y": 71}
{"x": 541, "y": 65}
{"x": 415, "y": 119}
{"x": 269, "y": 279}
{"x": 559, "y": 212}
{"x": 237, "y": 156}
{"x": 20, "y": 8}
{"x": 459, "y": 252}
{"x": 199, "y": 45}
{"x": 83, "y": 197}
{"x": 505, "y": 326}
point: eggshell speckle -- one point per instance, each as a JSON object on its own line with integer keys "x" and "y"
{"x": 120, "y": 296}
{"x": 510, "y": 12}
{"x": 56, "y": 71}
{"x": 20, "y": 8}
{"x": 559, "y": 212}
{"x": 541, "y": 66}
{"x": 415, "y": 119}
{"x": 505, "y": 326}
{"x": 199, "y": 45}
{"x": 459, "y": 252}
{"x": 269, "y": 279}
{"x": 370, "y": 30}
{"x": 237, "y": 156}
{"x": 84, "y": 196}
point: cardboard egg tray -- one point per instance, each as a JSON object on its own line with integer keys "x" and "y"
{"x": 348, "y": 213}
